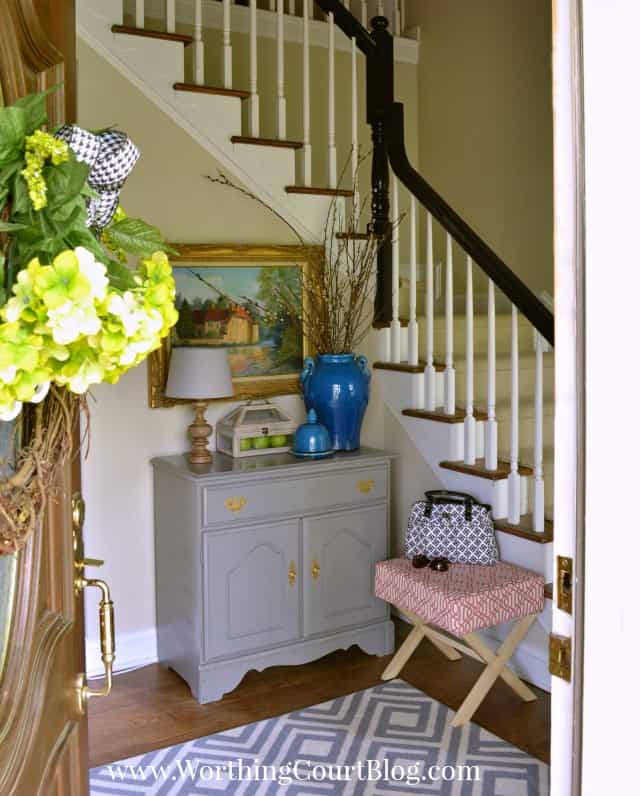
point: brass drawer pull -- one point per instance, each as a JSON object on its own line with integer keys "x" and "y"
{"x": 293, "y": 574}
{"x": 366, "y": 486}
{"x": 235, "y": 504}
{"x": 315, "y": 570}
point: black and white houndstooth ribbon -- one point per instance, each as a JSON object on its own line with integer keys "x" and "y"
{"x": 111, "y": 157}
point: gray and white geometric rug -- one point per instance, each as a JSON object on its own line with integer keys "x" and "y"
{"x": 387, "y": 740}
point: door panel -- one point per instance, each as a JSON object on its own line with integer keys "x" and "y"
{"x": 340, "y": 553}
{"x": 43, "y": 732}
{"x": 251, "y": 588}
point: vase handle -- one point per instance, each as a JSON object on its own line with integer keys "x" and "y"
{"x": 363, "y": 364}
{"x": 308, "y": 368}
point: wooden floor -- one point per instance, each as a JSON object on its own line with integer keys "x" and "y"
{"x": 152, "y": 707}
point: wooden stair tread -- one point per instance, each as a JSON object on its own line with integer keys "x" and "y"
{"x": 313, "y": 191}
{"x": 274, "y": 142}
{"x": 548, "y": 591}
{"x": 440, "y": 417}
{"x": 504, "y": 468}
{"x": 222, "y": 92}
{"x": 404, "y": 322}
{"x": 129, "y": 30}
{"x": 405, "y": 367}
{"x": 524, "y": 529}
{"x": 353, "y": 236}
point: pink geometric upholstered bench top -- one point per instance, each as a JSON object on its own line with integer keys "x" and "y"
{"x": 467, "y": 598}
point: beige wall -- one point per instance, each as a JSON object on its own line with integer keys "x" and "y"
{"x": 485, "y": 122}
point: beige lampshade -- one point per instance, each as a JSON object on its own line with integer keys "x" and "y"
{"x": 199, "y": 373}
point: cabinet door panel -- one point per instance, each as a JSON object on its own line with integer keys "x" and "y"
{"x": 340, "y": 553}
{"x": 250, "y": 599}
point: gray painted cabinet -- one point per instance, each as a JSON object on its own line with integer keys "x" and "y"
{"x": 268, "y": 561}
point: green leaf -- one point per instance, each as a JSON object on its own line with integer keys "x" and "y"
{"x": 35, "y": 108}
{"x": 137, "y": 237}
{"x": 6, "y": 226}
{"x": 8, "y": 171}
{"x": 65, "y": 182}
{"x": 120, "y": 276}
{"x": 13, "y": 129}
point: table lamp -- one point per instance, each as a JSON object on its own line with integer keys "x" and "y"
{"x": 198, "y": 374}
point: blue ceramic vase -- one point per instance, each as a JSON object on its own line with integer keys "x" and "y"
{"x": 337, "y": 387}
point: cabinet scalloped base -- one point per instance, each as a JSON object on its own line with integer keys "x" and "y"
{"x": 214, "y": 680}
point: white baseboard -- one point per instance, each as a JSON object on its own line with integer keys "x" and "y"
{"x": 529, "y": 661}
{"x": 133, "y": 650}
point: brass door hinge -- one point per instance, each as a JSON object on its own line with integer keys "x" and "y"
{"x": 560, "y": 656}
{"x": 564, "y": 584}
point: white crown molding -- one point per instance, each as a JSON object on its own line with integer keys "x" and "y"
{"x": 407, "y": 51}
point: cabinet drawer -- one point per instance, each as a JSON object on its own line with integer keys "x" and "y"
{"x": 292, "y": 496}
{"x": 251, "y": 581}
{"x": 340, "y": 552}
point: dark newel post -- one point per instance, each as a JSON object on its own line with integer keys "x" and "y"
{"x": 379, "y": 105}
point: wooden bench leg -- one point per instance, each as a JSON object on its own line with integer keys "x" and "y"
{"x": 493, "y": 670}
{"x": 419, "y": 631}
{"x": 403, "y": 654}
{"x": 507, "y": 674}
{"x": 448, "y": 651}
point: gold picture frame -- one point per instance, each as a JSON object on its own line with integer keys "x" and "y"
{"x": 203, "y": 255}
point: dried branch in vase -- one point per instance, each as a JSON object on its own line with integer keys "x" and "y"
{"x": 338, "y": 291}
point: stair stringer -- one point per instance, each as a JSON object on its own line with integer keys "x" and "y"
{"x": 153, "y": 66}
{"x": 438, "y": 442}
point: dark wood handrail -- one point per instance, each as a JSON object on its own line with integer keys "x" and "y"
{"x": 386, "y": 118}
{"x": 485, "y": 258}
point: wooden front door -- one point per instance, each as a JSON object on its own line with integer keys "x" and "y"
{"x": 43, "y": 727}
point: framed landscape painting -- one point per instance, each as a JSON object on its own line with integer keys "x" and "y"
{"x": 248, "y": 300}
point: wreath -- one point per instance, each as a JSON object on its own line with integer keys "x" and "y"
{"x": 72, "y": 313}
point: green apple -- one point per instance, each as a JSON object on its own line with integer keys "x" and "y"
{"x": 260, "y": 443}
{"x": 246, "y": 444}
{"x": 279, "y": 441}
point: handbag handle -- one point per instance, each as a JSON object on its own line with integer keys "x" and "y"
{"x": 445, "y": 496}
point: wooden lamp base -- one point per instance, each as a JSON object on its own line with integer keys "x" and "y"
{"x": 200, "y": 431}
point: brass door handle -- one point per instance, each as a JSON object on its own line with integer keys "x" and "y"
{"x": 107, "y": 637}
{"x": 293, "y": 573}
{"x": 315, "y": 569}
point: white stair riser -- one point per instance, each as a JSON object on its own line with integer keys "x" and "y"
{"x": 213, "y": 115}
{"x": 159, "y": 63}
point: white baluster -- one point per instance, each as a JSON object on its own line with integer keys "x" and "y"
{"x": 514, "y": 475}
{"x": 365, "y": 14}
{"x": 413, "y": 278}
{"x": 403, "y": 17}
{"x": 347, "y": 4}
{"x": 396, "y": 17}
{"x": 449, "y": 372}
{"x": 491, "y": 425}
{"x": 333, "y": 152}
{"x": 396, "y": 329}
{"x": 429, "y": 370}
{"x": 227, "y": 53}
{"x": 306, "y": 98}
{"x": 380, "y": 8}
{"x": 198, "y": 46}
{"x": 354, "y": 130}
{"x": 538, "y": 476}
{"x": 469, "y": 418}
{"x": 139, "y": 13}
{"x": 292, "y": 7}
{"x": 171, "y": 16}
{"x": 281, "y": 102}
{"x": 272, "y": 5}
{"x": 254, "y": 99}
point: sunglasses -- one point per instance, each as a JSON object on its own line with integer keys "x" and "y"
{"x": 438, "y": 564}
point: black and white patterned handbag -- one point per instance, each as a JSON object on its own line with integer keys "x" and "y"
{"x": 452, "y": 525}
